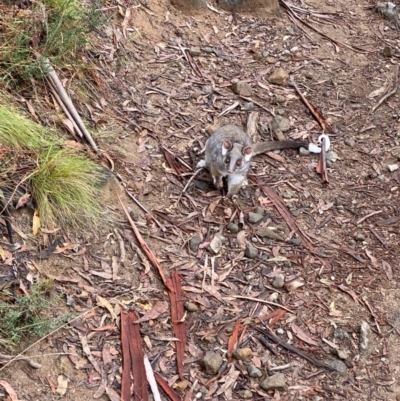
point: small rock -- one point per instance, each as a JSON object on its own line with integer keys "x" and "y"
{"x": 251, "y": 251}
{"x": 249, "y": 106}
{"x": 280, "y": 112}
{"x": 206, "y": 89}
{"x": 191, "y": 307}
{"x": 212, "y": 361}
{"x": 343, "y": 354}
{"x": 202, "y": 185}
{"x": 278, "y": 135}
{"x": 280, "y": 99}
{"x": 338, "y": 365}
{"x": 388, "y": 51}
{"x": 331, "y": 156}
{"x": 242, "y": 88}
{"x": 216, "y": 243}
{"x": 304, "y": 152}
{"x": 287, "y": 195}
{"x": 274, "y": 382}
{"x": 268, "y": 233}
{"x": 194, "y": 242}
{"x": 245, "y": 394}
{"x": 255, "y": 217}
{"x": 258, "y": 56}
{"x": 134, "y": 215}
{"x": 393, "y": 167}
{"x": 279, "y": 77}
{"x": 243, "y": 353}
{"x": 195, "y": 51}
{"x": 254, "y": 240}
{"x": 359, "y": 237}
{"x": 365, "y": 338}
{"x": 233, "y": 228}
{"x": 350, "y": 142}
{"x": 181, "y": 386}
{"x": 259, "y": 210}
{"x": 279, "y": 281}
{"x": 280, "y": 331}
{"x": 281, "y": 123}
{"x": 253, "y": 371}
{"x": 294, "y": 241}
{"x": 309, "y": 75}
{"x": 270, "y": 60}
{"x": 210, "y": 339}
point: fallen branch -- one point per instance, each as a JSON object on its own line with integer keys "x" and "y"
{"x": 58, "y": 87}
{"x": 146, "y": 249}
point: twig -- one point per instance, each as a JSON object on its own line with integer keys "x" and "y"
{"x": 151, "y": 379}
{"x": 262, "y": 301}
{"x": 144, "y": 209}
{"x": 369, "y": 215}
{"x": 390, "y": 93}
{"x": 150, "y": 255}
{"x": 121, "y": 246}
{"x": 249, "y": 99}
{"x": 52, "y": 75}
{"x": 190, "y": 180}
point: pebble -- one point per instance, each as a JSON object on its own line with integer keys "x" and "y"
{"x": 181, "y": 386}
{"x": 388, "y": 51}
{"x": 253, "y": 371}
{"x": 350, "y": 142}
{"x": 304, "y": 152}
{"x": 249, "y": 106}
{"x": 242, "y": 88}
{"x": 254, "y": 240}
{"x": 278, "y": 281}
{"x": 270, "y": 60}
{"x": 259, "y": 210}
{"x": 365, "y": 337}
{"x": 245, "y": 394}
{"x": 274, "y": 382}
{"x": 268, "y": 233}
{"x": 216, "y": 243}
{"x": 134, "y": 215}
{"x": 254, "y": 217}
{"x": 206, "y": 89}
{"x": 191, "y": 307}
{"x": 393, "y": 167}
{"x": 279, "y": 77}
{"x": 359, "y": 237}
{"x": 195, "y": 51}
{"x": 212, "y": 361}
{"x": 338, "y": 365}
{"x": 233, "y": 228}
{"x": 280, "y": 112}
{"x": 251, "y": 251}
{"x": 281, "y": 123}
{"x": 280, "y": 331}
{"x": 243, "y": 354}
{"x": 294, "y": 241}
{"x": 202, "y": 185}
{"x": 287, "y": 195}
{"x": 331, "y": 156}
{"x": 194, "y": 242}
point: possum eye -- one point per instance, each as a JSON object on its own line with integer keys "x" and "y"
{"x": 238, "y": 163}
{"x": 227, "y": 160}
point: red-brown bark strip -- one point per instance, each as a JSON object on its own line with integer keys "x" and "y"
{"x": 177, "y": 315}
{"x": 167, "y": 388}
{"x": 126, "y": 359}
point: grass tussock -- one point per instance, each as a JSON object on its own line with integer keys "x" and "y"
{"x": 55, "y": 29}
{"x": 29, "y": 316}
{"x": 65, "y": 185}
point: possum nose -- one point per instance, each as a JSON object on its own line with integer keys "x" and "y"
{"x": 229, "y": 171}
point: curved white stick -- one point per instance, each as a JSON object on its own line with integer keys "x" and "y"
{"x": 313, "y": 148}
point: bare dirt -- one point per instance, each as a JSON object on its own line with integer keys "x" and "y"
{"x": 148, "y": 94}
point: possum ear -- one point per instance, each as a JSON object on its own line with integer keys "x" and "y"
{"x": 246, "y": 152}
{"x": 227, "y": 145}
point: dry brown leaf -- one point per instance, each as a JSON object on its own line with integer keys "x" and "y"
{"x": 158, "y": 309}
{"x": 62, "y": 385}
{"x": 241, "y": 239}
{"x": 35, "y": 223}
{"x": 302, "y": 335}
{"x": 105, "y": 304}
{"x": 11, "y": 392}
{"x": 388, "y": 270}
{"x": 22, "y": 200}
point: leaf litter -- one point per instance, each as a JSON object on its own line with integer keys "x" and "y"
{"x": 187, "y": 300}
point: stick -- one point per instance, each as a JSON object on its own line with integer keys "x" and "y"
{"x": 52, "y": 75}
{"x": 368, "y": 215}
{"x": 142, "y": 207}
{"x": 392, "y": 92}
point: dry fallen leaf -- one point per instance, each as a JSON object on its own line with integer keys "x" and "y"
{"x": 35, "y": 223}
{"x": 62, "y": 385}
{"x": 105, "y": 304}
{"x": 22, "y": 200}
{"x": 302, "y": 335}
{"x": 10, "y": 390}
{"x": 158, "y": 309}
